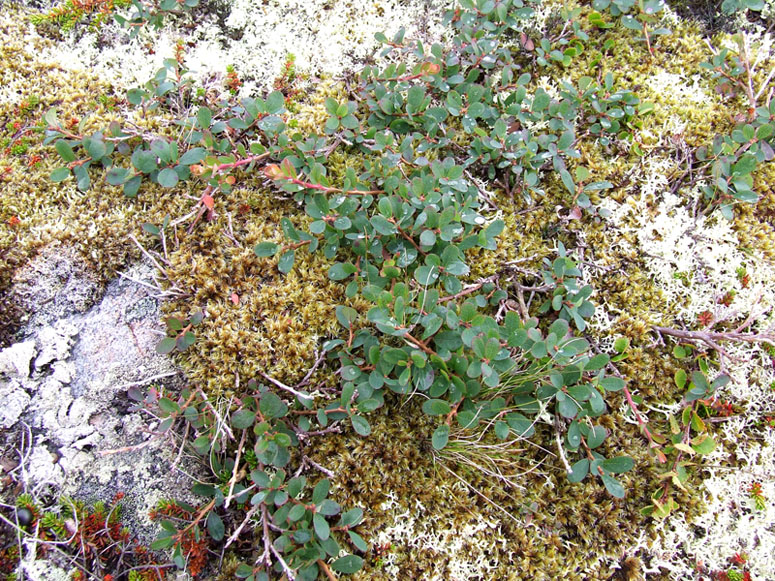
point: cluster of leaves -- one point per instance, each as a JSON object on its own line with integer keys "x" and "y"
{"x": 159, "y": 160}
{"x": 730, "y": 7}
{"x": 640, "y": 15}
{"x": 568, "y": 299}
{"x": 400, "y": 229}
{"x": 180, "y": 334}
{"x": 426, "y": 134}
{"x": 689, "y": 434}
{"x": 294, "y": 527}
{"x": 213, "y": 146}
{"x": 732, "y": 159}
{"x": 407, "y": 235}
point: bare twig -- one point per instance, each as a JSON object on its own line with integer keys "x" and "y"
{"x": 485, "y": 195}
{"x": 319, "y": 358}
{"x": 235, "y": 471}
{"x": 323, "y": 469}
{"x": 469, "y": 289}
{"x": 713, "y": 338}
{"x": 287, "y": 388}
{"x": 327, "y": 570}
{"x": 560, "y": 449}
{"x": 139, "y": 446}
{"x": 148, "y": 255}
{"x": 145, "y": 284}
{"x": 251, "y": 513}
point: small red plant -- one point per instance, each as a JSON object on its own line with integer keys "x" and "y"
{"x": 705, "y": 318}
{"x": 727, "y": 299}
{"x": 232, "y": 81}
{"x": 194, "y": 545}
{"x": 757, "y": 495}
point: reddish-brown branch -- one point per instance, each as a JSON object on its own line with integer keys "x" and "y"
{"x": 327, "y": 570}
{"x": 330, "y": 190}
{"x": 468, "y": 290}
{"x": 296, "y": 245}
{"x": 406, "y": 236}
{"x": 421, "y": 344}
{"x": 240, "y": 162}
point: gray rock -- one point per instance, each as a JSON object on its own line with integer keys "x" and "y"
{"x": 14, "y": 402}
{"x": 42, "y": 570}
{"x": 54, "y": 343}
{"x": 53, "y": 286}
{"x": 42, "y": 467}
{"x": 15, "y": 360}
{"x": 62, "y": 371}
{"x": 86, "y": 441}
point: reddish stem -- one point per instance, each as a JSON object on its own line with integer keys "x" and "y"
{"x": 240, "y": 162}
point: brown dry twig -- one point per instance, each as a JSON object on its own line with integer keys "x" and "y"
{"x": 713, "y": 339}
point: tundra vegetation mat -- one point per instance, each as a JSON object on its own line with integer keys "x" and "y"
{"x": 473, "y": 290}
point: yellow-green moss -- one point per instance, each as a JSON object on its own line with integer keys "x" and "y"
{"x": 261, "y": 321}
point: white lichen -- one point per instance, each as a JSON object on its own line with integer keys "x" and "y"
{"x": 731, "y": 524}
{"x": 326, "y": 37}
{"x": 678, "y": 90}
{"x": 465, "y": 550}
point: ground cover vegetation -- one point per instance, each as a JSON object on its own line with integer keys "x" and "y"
{"x": 421, "y": 248}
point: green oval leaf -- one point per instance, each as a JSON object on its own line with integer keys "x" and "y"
{"x": 165, "y": 346}
{"x": 272, "y": 406}
{"x": 348, "y": 564}
{"x": 204, "y": 117}
{"x": 613, "y": 486}
{"x": 64, "y": 150}
{"x": 215, "y": 526}
{"x": 264, "y": 249}
{"x": 60, "y": 174}
{"x": 192, "y": 156}
{"x": 117, "y": 176}
{"x": 436, "y": 407}
{"x": 360, "y": 425}
{"x": 440, "y": 437}
{"x": 322, "y": 530}
{"x": 243, "y": 419}
{"x": 618, "y": 465}
{"x": 612, "y": 383}
{"x": 285, "y": 264}
{"x": 168, "y": 178}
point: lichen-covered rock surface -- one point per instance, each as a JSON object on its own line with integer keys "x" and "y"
{"x": 76, "y": 337}
{"x": 67, "y": 422}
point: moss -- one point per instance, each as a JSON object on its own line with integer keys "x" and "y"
{"x": 559, "y": 530}
{"x": 259, "y": 321}
{"x": 34, "y": 212}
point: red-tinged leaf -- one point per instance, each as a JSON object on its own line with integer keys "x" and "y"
{"x": 430, "y": 69}
{"x": 273, "y": 171}
{"x": 287, "y": 168}
{"x": 208, "y": 201}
